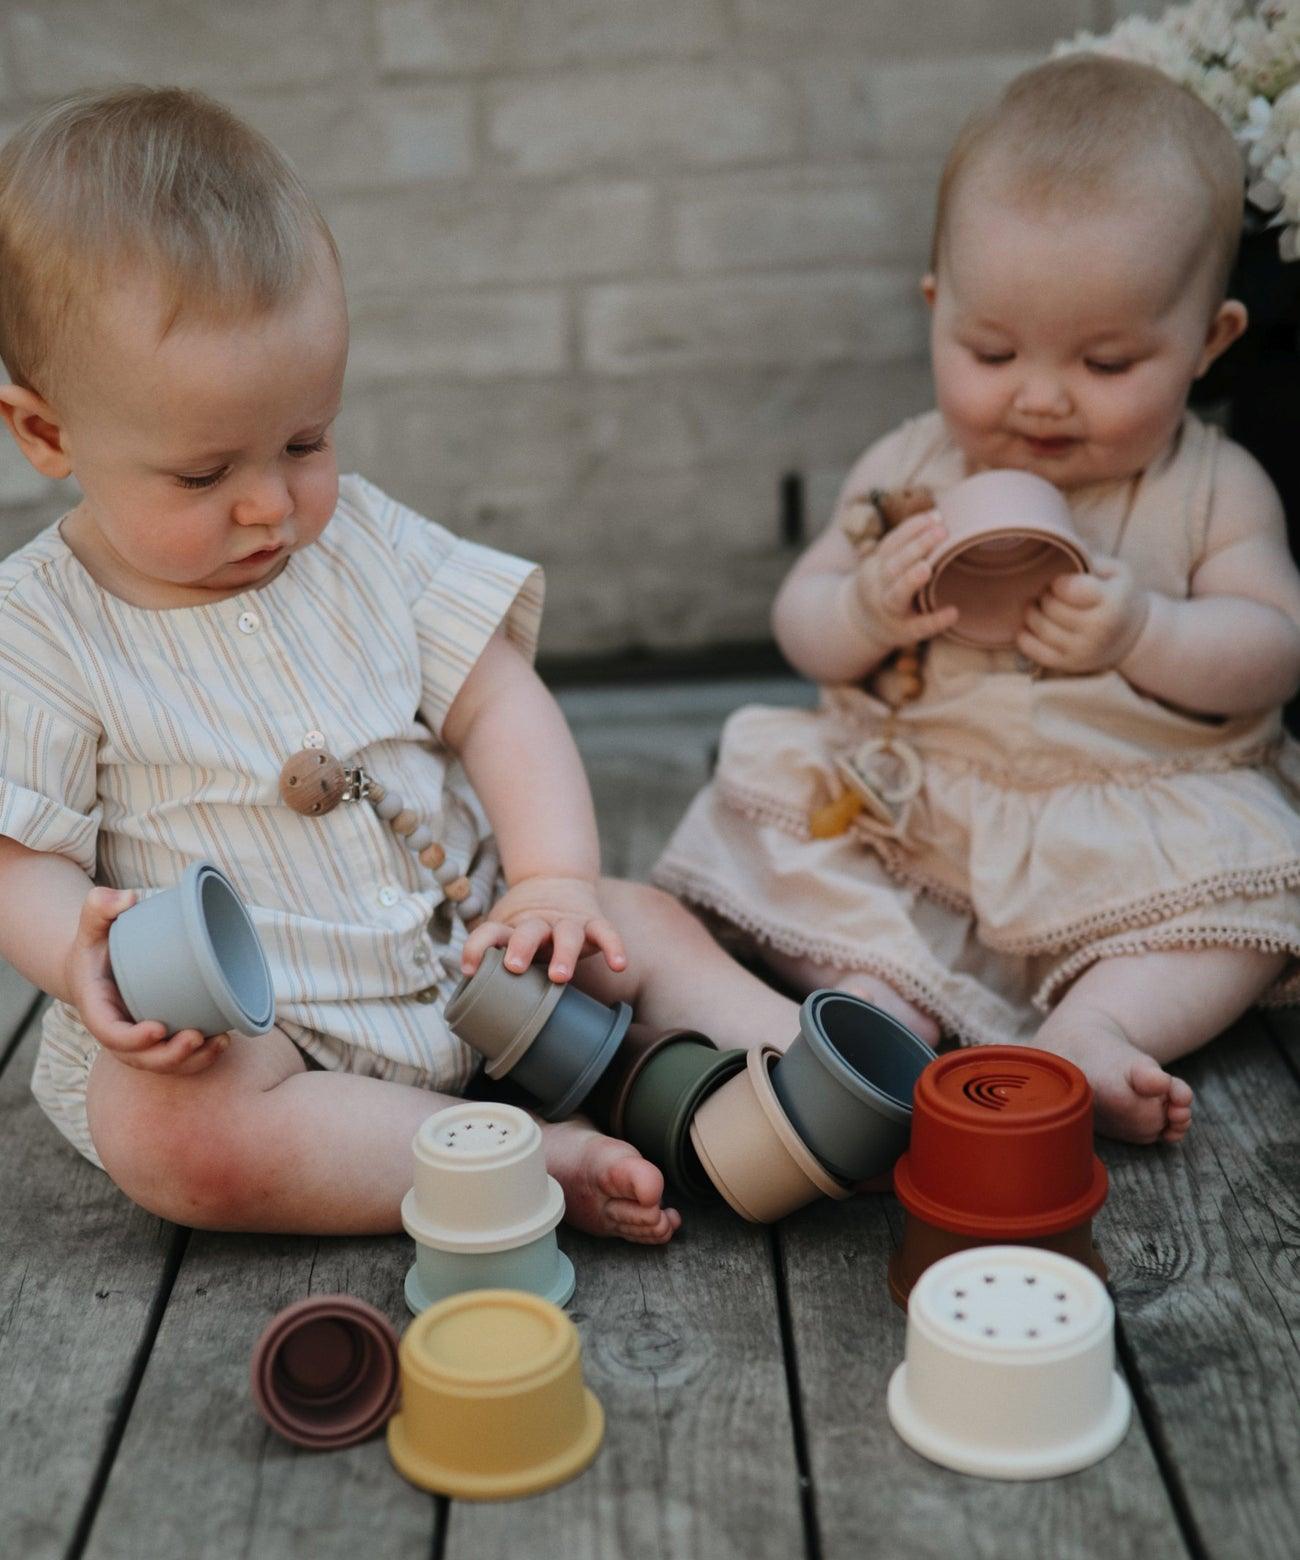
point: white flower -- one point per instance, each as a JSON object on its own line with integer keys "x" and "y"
{"x": 1242, "y": 59}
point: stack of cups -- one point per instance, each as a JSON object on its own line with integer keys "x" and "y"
{"x": 830, "y": 1114}
{"x": 553, "y": 1040}
{"x": 1001, "y": 1151}
{"x": 482, "y": 1210}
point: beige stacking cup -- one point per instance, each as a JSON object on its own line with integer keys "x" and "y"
{"x": 750, "y": 1150}
{"x": 493, "y": 1401}
{"x": 500, "y": 1014}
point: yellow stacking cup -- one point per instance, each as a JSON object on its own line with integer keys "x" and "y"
{"x": 493, "y": 1401}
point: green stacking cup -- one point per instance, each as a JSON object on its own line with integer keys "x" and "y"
{"x": 663, "y": 1099}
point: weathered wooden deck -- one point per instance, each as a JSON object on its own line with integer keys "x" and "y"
{"x": 742, "y": 1370}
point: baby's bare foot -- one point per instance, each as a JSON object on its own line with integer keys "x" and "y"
{"x": 882, "y": 995}
{"x": 1134, "y": 1097}
{"x": 609, "y": 1189}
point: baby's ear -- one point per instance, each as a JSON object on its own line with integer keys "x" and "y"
{"x": 36, "y": 430}
{"x": 1229, "y": 322}
{"x": 928, "y": 288}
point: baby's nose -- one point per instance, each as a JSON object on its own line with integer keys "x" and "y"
{"x": 265, "y": 503}
{"x": 1043, "y": 395}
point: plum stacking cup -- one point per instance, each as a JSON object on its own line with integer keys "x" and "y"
{"x": 1010, "y": 534}
{"x": 190, "y": 957}
{"x": 664, "y": 1098}
{"x": 608, "y": 1100}
{"x": 1001, "y": 1150}
{"x": 324, "y": 1372}
{"x": 482, "y": 1210}
{"x": 846, "y": 1083}
{"x": 499, "y": 1012}
{"x": 751, "y": 1151}
{"x": 1010, "y": 1366}
{"x": 493, "y": 1402}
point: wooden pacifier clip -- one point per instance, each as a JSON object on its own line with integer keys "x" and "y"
{"x": 314, "y": 782}
{"x": 881, "y": 777}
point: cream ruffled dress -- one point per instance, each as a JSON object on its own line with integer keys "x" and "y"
{"x": 1060, "y": 820}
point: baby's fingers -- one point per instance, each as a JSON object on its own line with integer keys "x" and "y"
{"x": 900, "y": 592}
{"x": 1076, "y": 590}
{"x": 168, "y": 1056}
{"x": 926, "y": 625}
{"x": 487, "y": 934}
{"x": 568, "y": 938}
{"x": 525, "y": 940}
{"x": 1055, "y": 636}
{"x": 918, "y": 535}
{"x": 603, "y": 935}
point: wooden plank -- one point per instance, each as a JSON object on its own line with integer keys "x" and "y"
{"x": 1203, "y": 1244}
{"x": 200, "y": 1474}
{"x": 848, "y": 1337}
{"x": 682, "y": 1346}
{"x": 16, "y": 999}
{"x": 80, "y": 1272}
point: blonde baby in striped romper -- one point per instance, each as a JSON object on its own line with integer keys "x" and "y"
{"x": 173, "y": 323}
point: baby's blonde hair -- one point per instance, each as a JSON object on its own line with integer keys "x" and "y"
{"x": 1087, "y": 126}
{"x": 161, "y": 179}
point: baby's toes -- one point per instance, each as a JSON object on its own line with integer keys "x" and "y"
{"x": 1150, "y": 1080}
{"x": 1180, "y": 1094}
{"x": 628, "y": 1177}
{"x": 646, "y": 1226}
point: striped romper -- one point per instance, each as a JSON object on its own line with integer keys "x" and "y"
{"x": 136, "y": 741}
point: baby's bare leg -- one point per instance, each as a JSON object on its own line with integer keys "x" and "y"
{"x": 259, "y": 1142}
{"x": 807, "y": 975}
{"x": 678, "y": 977}
{"x": 1125, "y": 1016}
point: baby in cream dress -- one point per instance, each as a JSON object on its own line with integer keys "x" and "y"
{"x": 1103, "y": 855}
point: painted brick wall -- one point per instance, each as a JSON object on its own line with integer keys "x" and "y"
{"x": 615, "y": 266}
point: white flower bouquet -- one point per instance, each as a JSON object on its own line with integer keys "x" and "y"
{"x": 1243, "y": 60}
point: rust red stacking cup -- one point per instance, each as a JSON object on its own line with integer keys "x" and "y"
{"x": 1001, "y": 1153}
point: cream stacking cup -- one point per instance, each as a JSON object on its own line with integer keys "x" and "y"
{"x": 1010, "y": 1366}
{"x": 482, "y": 1209}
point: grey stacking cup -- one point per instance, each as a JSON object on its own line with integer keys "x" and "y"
{"x": 190, "y": 958}
{"x": 846, "y": 1083}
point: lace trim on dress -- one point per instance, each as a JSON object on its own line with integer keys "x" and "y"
{"x": 1250, "y": 883}
{"x": 1284, "y": 992}
{"x": 955, "y": 1021}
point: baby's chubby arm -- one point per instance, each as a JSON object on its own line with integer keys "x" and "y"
{"x": 836, "y": 616}
{"x": 54, "y": 930}
{"x": 521, "y": 759}
{"x": 1232, "y": 647}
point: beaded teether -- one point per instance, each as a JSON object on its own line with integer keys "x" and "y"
{"x": 882, "y": 776}
{"x": 314, "y": 782}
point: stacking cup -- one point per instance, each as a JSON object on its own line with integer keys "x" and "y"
{"x": 662, "y": 1100}
{"x": 493, "y": 1402}
{"x": 482, "y": 1209}
{"x": 1010, "y": 534}
{"x": 1001, "y": 1151}
{"x": 1010, "y": 1366}
{"x": 499, "y": 1012}
{"x": 608, "y": 1100}
{"x": 190, "y": 958}
{"x": 751, "y": 1151}
{"x": 552, "y": 1040}
{"x": 846, "y": 1083}
{"x": 324, "y": 1372}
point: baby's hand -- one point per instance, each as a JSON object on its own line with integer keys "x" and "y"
{"x": 1086, "y": 622}
{"x": 887, "y": 580}
{"x": 88, "y": 977}
{"x": 559, "y": 910}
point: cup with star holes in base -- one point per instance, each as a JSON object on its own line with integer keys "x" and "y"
{"x": 482, "y": 1210}
{"x": 1009, "y": 1368}
{"x": 494, "y": 1406}
{"x": 1001, "y": 1150}
{"x": 324, "y": 1372}
{"x": 846, "y": 1082}
{"x": 189, "y": 957}
{"x": 1010, "y": 534}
